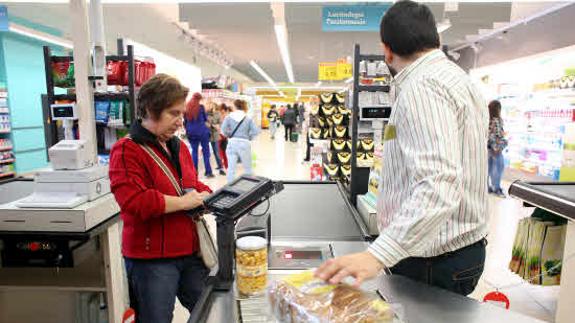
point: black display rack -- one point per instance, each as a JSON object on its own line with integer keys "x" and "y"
{"x": 50, "y": 98}
{"x": 359, "y": 179}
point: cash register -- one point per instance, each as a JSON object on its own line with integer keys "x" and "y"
{"x": 228, "y": 205}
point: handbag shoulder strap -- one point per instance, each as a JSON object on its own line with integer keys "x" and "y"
{"x": 162, "y": 166}
{"x": 237, "y": 127}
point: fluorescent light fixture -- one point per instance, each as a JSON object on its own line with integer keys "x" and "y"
{"x": 443, "y": 26}
{"x": 28, "y": 32}
{"x": 281, "y": 36}
{"x": 263, "y": 74}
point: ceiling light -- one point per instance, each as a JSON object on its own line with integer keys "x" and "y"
{"x": 443, "y": 26}
{"x": 263, "y": 74}
{"x": 40, "y": 36}
{"x": 281, "y": 36}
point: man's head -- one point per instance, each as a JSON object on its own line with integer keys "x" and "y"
{"x": 407, "y": 30}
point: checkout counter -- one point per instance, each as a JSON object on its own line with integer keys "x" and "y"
{"x": 66, "y": 257}
{"x": 312, "y": 222}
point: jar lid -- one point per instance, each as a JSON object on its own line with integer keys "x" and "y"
{"x": 251, "y": 243}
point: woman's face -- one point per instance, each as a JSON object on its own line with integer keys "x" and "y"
{"x": 169, "y": 122}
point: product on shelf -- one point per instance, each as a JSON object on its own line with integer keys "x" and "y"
{"x": 63, "y": 74}
{"x": 303, "y": 298}
{"x": 330, "y": 122}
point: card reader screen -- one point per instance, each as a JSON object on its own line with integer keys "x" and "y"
{"x": 245, "y": 185}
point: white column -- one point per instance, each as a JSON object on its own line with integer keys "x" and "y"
{"x": 565, "y": 305}
{"x": 82, "y": 69}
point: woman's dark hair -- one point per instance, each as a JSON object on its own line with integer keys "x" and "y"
{"x": 240, "y": 105}
{"x": 273, "y": 106}
{"x": 494, "y": 109}
{"x": 158, "y": 94}
{"x": 408, "y": 28}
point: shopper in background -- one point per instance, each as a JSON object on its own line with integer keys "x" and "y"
{"x": 432, "y": 213}
{"x": 289, "y": 121}
{"x": 214, "y": 122}
{"x": 240, "y": 131}
{"x": 159, "y": 240}
{"x": 223, "y": 141}
{"x": 198, "y": 132}
{"x": 495, "y": 145}
{"x": 305, "y": 129}
{"x": 273, "y": 117}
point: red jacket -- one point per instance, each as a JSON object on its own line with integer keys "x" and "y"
{"x": 139, "y": 186}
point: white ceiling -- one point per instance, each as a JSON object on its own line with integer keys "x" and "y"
{"x": 246, "y": 32}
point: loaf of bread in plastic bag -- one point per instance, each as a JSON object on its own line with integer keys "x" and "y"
{"x": 302, "y": 298}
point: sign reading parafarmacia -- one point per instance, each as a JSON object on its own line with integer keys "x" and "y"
{"x": 353, "y": 18}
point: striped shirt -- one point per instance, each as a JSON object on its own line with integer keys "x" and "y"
{"x": 433, "y": 197}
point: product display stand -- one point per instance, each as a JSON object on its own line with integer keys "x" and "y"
{"x": 129, "y": 96}
{"x": 360, "y": 171}
{"x": 558, "y": 198}
{"x": 329, "y": 125}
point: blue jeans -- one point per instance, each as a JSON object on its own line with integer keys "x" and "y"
{"x": 154, "y": 285}
{"x": 496, "y": 166}
{"x": 216, "y": 150}
{"x": 238, "y": 150}
{"x": 457, "y": 271}
{"x": 205, "y": 142}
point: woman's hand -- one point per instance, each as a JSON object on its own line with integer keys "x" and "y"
{"x": 192, "y": 200}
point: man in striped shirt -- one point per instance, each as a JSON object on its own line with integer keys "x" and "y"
{"x": 433, "y": 201}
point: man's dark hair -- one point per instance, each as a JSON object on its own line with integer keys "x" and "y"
{"x": 408, "y": 28}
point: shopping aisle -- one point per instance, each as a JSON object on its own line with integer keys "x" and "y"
{"x": 278, "y": 159}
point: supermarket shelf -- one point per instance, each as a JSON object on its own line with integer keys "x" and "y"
{"x": 100, "y": 96}
{"x": 7, "y": 161}
{"x": 373, "y": 88}
{"x": 371, "y": 57}
{"x": 6, "y": 148}
{"x": 9, "y": 174}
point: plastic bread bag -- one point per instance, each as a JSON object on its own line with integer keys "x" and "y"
{"x": 303, "y": 298}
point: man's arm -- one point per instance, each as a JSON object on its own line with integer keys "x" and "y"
{"x": 427, "y": 131}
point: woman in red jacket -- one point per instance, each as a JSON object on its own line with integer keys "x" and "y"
{"x": 159, "y": 240}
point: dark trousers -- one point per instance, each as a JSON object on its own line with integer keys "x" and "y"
{"x": 307, "y": 148}
{"x": 154, "y": 285}
{"x": 288, "y": 128}
{"x": 216, "y": 150}
{"x": 205, "y": 142}
{"x": 458, "y": 271}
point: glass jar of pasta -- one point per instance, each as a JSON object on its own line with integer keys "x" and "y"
{"x": 251, "y": 265}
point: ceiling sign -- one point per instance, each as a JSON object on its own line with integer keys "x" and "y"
{"x": 327, "y": 71}
{"x": 353, "y": 18}
{"x": 334, "y": 71}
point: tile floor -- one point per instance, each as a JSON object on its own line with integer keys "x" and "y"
{"x": 283, "y": 160}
